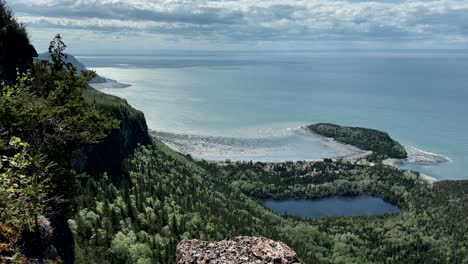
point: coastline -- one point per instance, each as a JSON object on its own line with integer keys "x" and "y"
{"x": 421, "y": 157}
{"x": 332, "y": 143}
{"x": 217, "y": 149}
{"x": 299, "y": 145}
{"x": 108, "y": 84}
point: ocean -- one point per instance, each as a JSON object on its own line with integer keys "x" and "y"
{"x": 252, "y": 105}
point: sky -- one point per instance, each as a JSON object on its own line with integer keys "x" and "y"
{"x": 144, "y": 26}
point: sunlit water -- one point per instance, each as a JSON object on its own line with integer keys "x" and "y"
{"x": 421, "y": 99}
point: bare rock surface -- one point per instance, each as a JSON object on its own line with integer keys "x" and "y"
{"x": 237, "y": 250}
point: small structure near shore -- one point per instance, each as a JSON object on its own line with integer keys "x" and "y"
{"x": 235, "y": 251}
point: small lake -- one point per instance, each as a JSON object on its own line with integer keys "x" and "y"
{"x": 363, "y": 205}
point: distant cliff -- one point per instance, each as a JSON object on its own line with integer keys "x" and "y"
{"x": 80, "y": 67}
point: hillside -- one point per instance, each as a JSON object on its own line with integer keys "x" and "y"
{"x": 143, "y": 198}
{"x": 56, "y": 131}
{"x": 169, "y": 198}
{"x": 111, "y": 153}
{"x": 82, "y": 182}
{"x": 96, "y": 82}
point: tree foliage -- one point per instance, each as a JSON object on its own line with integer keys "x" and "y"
{"x": 376, "y": 141}
{"x": 24, "y": 186}
{"x": 170, "y": 197}
{"x": 45, "y": 127}
{"x": 14, "y": 43}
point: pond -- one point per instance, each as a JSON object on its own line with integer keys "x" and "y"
{"x": 362, "y": 205}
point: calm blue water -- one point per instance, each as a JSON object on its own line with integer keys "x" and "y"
{"x": 421, "y": 99}
{"x": 333, "y": 206}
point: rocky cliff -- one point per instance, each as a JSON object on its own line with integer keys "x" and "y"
{"x": 110, "y": 154}
{"x": 237, "y": 250}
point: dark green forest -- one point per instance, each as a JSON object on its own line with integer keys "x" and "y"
{"x": 380, "y": 143}
{"x": 169, "y": 197}
{"x": 82, "y": 182}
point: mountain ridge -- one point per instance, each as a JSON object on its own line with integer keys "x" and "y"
{"x": 97, "y": 82}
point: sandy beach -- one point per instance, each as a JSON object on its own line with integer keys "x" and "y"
{"x": 417, "y": 156}
{"x": 302, "y": 145}
{"x": 420, "y": 157}
{"x": 297, "y": 144}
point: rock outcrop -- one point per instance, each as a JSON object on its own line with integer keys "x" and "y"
{"x": 110, "y": 154}
{"x": 237, "y": 250}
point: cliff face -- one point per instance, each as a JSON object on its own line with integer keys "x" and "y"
{"x": 110, "y": 155}
{"x": 238, "y": 250}
{"x": 107, "y": 156}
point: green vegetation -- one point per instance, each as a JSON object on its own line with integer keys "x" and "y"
{"x": 111, "y": 155}
{"x": 50, "y": 118}
{"x": 313, "y": 180}
{"x": 170, "y": 197}
{"x": 23, "y": 186}
{"x": 45, "y": 126}
{"x": 380, "y": 143}
{"x": 113, "y": 105}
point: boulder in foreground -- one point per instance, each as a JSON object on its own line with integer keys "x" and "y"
{"x": 237, "y": 250}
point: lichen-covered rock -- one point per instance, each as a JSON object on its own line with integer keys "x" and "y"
{"x": 237, "y": 250}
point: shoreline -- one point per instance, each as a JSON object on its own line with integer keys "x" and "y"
{"x": 109, "y": 84}
{"x": 281, "y": 149}
{"x": 331, "y": 142}
{"x": 356, "y": 155}
{"x": 421, "y": 157}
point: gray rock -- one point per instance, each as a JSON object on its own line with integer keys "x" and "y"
{"x": 235, "y": 251}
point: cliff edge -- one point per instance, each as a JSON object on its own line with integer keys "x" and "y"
{"x": 237, "y": 250}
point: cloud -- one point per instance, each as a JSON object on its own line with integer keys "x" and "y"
{"x": 247, "y": 21}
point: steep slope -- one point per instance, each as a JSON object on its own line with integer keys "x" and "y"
{"x": 109, "y": 155}
{"x": 168, "y": 198}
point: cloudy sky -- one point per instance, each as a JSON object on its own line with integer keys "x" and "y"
{"x": 96, "y": 26}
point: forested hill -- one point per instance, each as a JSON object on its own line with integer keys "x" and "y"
{"x": 380, "y": 143}
{"x": 56, "y": 133}
{"x": 79, "y": 66}
{"x": 170, "y": 197}
{"x": 111, "y": 153}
